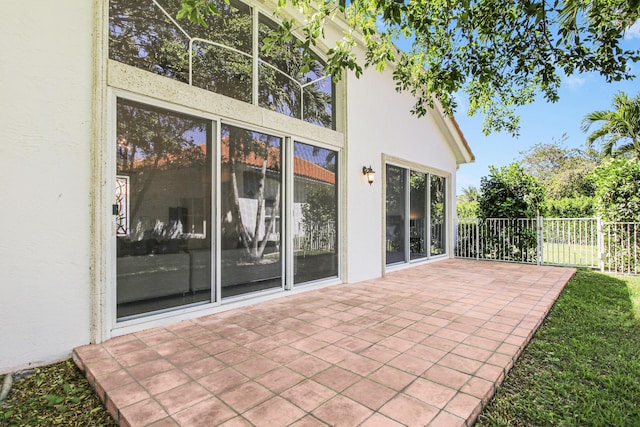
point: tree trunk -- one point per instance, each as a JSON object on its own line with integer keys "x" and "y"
{"x": 240, "y": 229}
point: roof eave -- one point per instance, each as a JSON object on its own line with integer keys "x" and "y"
{"x": 454, "y": 135}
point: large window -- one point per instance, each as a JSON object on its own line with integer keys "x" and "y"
{"x": 168, "y": 255}
{"x": 315, "y": 213}
{"x": 210, "y": 205}
{"x": 163, "y": 209}
{"x": 221, "y": 56}
{"x": 415, "y": 202}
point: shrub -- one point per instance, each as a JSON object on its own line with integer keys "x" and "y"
{"x": 570, "y": 207}
{"x": 618, "y": 190}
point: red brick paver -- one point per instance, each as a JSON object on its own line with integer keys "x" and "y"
{"x": 426, "y": 345}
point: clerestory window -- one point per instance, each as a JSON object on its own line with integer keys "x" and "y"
{"x": 220, "y": 57}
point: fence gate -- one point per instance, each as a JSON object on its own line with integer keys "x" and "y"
{"x": 580, "y": 242}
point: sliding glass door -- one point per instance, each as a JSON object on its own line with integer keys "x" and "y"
{"x": 251, "y": 212}
{"x": 415, "y": 225}
{"x": 168, "y": 253}
{"x": 315, "y": 213}
{"x": 162, "y": 209}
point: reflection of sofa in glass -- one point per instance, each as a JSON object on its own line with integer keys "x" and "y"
{"x": 150, "y": 269}
{"x": 152, "y": 276}
{"x": 315, "y": 266}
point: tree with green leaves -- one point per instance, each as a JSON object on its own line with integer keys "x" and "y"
{"x": 619, "y": 132}
{"x": 467, "y": 202}
{"x": 617, "y": 184}
{"x": 501, "y": 53}
{"x": 509, "y": 192}
{"x": 563, "y": 172}
{"x": 469, "y": 194}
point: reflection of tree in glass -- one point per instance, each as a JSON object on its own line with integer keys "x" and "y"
{"x": 150, "y": 140}
{"x": 279, "y": 93}
{"x": 395, "y": 199}
{"x": 438, "y": 192}
{"x": 142, "y": 36}
{"x": 319, "y": 215}
{"x": 417, "y": 197}
{"x": 437, "y": 200}
{"x": 251, "y": 148}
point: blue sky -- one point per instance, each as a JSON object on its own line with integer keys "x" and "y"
{"x": 542, "y": 121}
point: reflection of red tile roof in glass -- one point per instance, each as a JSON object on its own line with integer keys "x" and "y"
{"x": 301, "y": 166}
{"x": 309, "y": 169}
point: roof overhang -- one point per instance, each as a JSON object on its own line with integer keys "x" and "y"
{"x": 453, "y": 134}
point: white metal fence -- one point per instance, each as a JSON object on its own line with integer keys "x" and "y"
{"x": 582, "y": 242}
{"x": 315, "y": 238}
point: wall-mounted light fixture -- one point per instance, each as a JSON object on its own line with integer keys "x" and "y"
{"x": 369, "y": 173}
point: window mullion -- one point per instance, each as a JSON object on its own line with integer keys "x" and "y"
{"x": 287, "y": 214}
{"x": 256, "y": 54}
{"x": 407, "y": 215}
{"x": 428, "y": 216}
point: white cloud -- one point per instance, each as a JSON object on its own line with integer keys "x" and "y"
{"x": 574, "y": 82}
{"x": 462, "y": 104}
{"x": 633, "y": 32}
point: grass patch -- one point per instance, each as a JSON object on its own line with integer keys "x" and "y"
{"x": 570, "y": 254}
{"x": 582, "y": 367}
{"x": 57, "y": 394}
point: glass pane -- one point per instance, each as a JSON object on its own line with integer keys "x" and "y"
{"x": 438, "y": 217}
{"x": 233, "y": 27}
{"x": 278, "y": 92}
{"x": 417, "y": 220}
{"x": 315, "y": 213}
{"x": 220, "y": 69}
{"x": 318, "y": 98}
{"x": 164, "y": 209}
{"x": 141, "y": 35}
{"x": 251, "y": 211}
{"x": 281, "y": 82}
{"x": 395, "y": 241}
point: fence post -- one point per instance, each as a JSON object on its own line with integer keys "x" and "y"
{"x": 540, "y": 241}
{"x": 477, "y": 227}
{"x": 600, "y": 244}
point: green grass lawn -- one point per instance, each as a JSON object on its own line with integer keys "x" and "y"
{"x": 559, "y": 253}
{"x": 582, "y": 367}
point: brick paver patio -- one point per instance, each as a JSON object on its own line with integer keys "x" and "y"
{"x": 426, "y": 345}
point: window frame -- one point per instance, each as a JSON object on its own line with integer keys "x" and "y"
{"x": 409, "y": 167}
{"x": 115, "y": 326}
{"x": 256, "y": 11}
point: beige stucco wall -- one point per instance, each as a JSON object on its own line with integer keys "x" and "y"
{"x": 380, "y": 123}
{"x": 45, "y": 179}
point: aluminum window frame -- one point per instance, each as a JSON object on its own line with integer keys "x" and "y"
{"x": 408, "y": 167}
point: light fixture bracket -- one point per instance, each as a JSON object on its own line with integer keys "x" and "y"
{"x": 369, "y": 173}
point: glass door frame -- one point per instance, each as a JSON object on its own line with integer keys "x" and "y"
{"x": 285, "y": 171}
{"x": 131, "y": 324}
{"x": 409, "y": 167}
{"x": 113, "y": 326}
